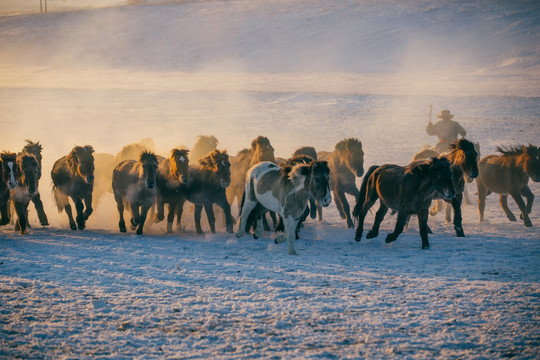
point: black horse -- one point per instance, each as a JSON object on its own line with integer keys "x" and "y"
{"x": 28, "y": 174}
{"x": 73, "y": 176}
{"x": 35, "y": 149}
{"x": 206, "y": 186}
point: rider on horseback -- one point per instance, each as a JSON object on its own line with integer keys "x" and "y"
{"x": 446, "y": 130}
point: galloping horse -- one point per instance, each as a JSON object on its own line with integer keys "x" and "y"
{"x": 28, "y": 174}
{"x": 346, "y": 162}
{"x": 409, "y": 190}
{"x": 204, "y": 145}
{"x": 73, "y": 176}
{"x": 206, "y": 186}
{"x": 8, "y": 175}
{"x": 464, "y": 165}
{"x": 286, "y": 192}
{"x": 35, "y": 149}
{"x": 172, "y": 173}
{"x": 133, "y": 185}
{"x": 508, "y": 174}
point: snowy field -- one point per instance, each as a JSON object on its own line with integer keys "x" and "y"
{"x": 301, "y": 73}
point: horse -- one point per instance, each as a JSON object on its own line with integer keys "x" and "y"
{"x": 508, "y": 174}
{"x": 35, "y": 149}
{"x": 286, "y": 192}
{"x": 463, "y": 158}
{"x": 314, "y": 206}
{"x": 172, "y": 173}
{"x": 28, "y": 175}
{"x": 105, "y": 164}
{"x": 405, "y": 189}
{"x": 9, "y": 173}
{"x": 206, "y": 186}
{"x": 133, "y": 184}
{"x": 346, "y": 162}
{"x": 203, "y": 146}
{"x": 73, "y": 176}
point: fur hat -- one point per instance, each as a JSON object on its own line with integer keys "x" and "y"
{"x": 445, "y": 114}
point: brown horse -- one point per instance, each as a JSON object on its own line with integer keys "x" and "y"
{"x": 206, "y": 186}
{"x": 407, "y": 190}
{"x": 346, "y": 162}
{"x": 203, "y": 146}
{"x": 28, "y": 175}
{"x": 173, "y": 172}
{"x": 35, "y": 149}
{"x": 73, "y": 176}
{"x": 133, "y": 185}
{"x": 508, "y": 174}
{"x": 463, "y": 158}
{"x": 9, "y": 173}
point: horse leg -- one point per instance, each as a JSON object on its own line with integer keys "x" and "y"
{"x": 179, "y": 212}
{"x": 482, "y": 194}
{"x": 38, "y": 204}
{"x": 398, "y": 229}
{"x": 312, "y": 208}
{"x": 345, "y": 208}
{"x": 170, "y": 216}
{"x": 224, "y": 204}
{"x": 423, "y": 216}
{"x": 79, "y": 207}
{"x": 211, "y": 218}
{"x": 503, "y": 200}
{"x": 144, "y": 212}
{"x": 337, "y": 199}
{"x": 135, "y": 217}
{"x": 456, "y": 205}
{"x": 21, "y": 216}
{"x": 448, "y": 211}
{"x": 4, "y": 213}
{"x": 67, "y": 209}
{"x": 120, "y": 207}
{"x": 435, "y": 209}
{"x": 197, "y": 216}
{"x": 365, "y": 208}
{"x": 527, "y": 193}
{"x": 521, "y": 204}
{"x": 247, "y": 208}
{"x": 379, "y": 216}
{"x": 466, "y": 197}
{"x": 289, "y": 235}
{"x": 89, "y": 210}
{"x": 319, "y": 211}
{"x": 160, "y": 214}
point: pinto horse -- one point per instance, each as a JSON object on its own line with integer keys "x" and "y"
{"x": 206, "y": 186}
{"x": 8, "y": 175}
{"x": 286, "y": 192}
{"x": 463, "y": 158}
{"x": 35, "y": 149}
{"x": 346, "y": 162}
{"x": 172, "y": 173}
{"x": 407, "y": 190}
{"x": 73, "y": 176}
{"x": 133, "y": 185}
{"x": 28, "y": 175}
{"x": 508, "y": 174}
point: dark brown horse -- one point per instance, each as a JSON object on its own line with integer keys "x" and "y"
{"x": 206, "y": 186}
{"x": 203, "y": 146}
{"x": 173, "y": 172}
{"x": 407, "y": 190}
{"x": 9, "y": 173}
{"x": 508, "y": 174}
{"x": 35, "y": 149}
{"x": 463, "y": 158}
{"x": 28, "y": 175}
{"x": 346, "y": 162}
{"x": 73, "y": 176}
{"x": 133, "y": 184}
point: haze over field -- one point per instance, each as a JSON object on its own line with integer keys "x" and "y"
{"x": 301, "y": 73}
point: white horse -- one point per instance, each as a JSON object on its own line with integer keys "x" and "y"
{"x": 285, "y": 191}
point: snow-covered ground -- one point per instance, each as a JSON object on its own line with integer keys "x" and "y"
{"x": 301, "y": 73}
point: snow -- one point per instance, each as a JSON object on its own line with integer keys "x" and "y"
{"x": 301, "y": 73}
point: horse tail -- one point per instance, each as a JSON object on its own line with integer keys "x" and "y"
{"x": 59, "y": 199}
{"x": 363, "y": 189}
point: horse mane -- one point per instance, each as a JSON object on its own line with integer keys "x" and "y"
{"x": 306, "y": 150}
{"x": 346, "y": 143}
{"x": 8, "y": 156}
{"x": 213, "y": 158}
{"x": 261, "y": 141}
{"x": 175, "y": 154}
{"x": 288, "y": 164}
{"x": 244, "y": 155}
{"x": 129, "y": 152}
{"x": 31, "y": 147}
{"x": 420, "y": 167}
{"x": 148, "y": 156}
{"x": 297, "y": 173}
{"x": 462, "y": 144}
{"x": 25, "y": 159}
{"x": 72, "y": 156}
{"x": 509, "y": 150}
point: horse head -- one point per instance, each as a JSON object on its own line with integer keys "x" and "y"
{"x": 10, "y": 169}
{"x": 218, "y": 162}
{"x": 148, "y": 168}
{"x": 35, "y": 149}
{"x": 82, "y": 162}
{"x": 465, "y": 154}
{"x": 350, "y": 151}
{"x": 262, "y": 150}
{"x": 532, "y": 163}
{"x": 179, "y": 164}
{"x": 437, "y": 171}
{"x": 29, "y": 172}
{"x": 313, "y": 176}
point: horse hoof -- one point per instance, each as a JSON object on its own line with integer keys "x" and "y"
{"x": 44, "y": 224}
{"x": 425, "y": 247}
{"x": 123, "y": 230}
{"x": 372, "y": 234}
{"x": 389, "y": 238}
{"x": 139, "y": 231}
{"x": 73, "y": 226}
{"x": 81, "y": 226}
{"x": 429, "y": 230}
{"x": 357, "y": 238}
{"x": 528, "y": 224}
{"x": 512, "y": 218}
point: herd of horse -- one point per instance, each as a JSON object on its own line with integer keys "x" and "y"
{"x": 289, "y": 190}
